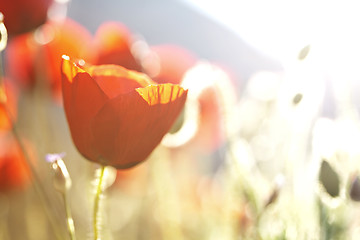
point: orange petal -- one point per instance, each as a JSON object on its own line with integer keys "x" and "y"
{"x": 115, "y": 80}
{"x": 82, "y": 100}
{"x": 129, "y": 127}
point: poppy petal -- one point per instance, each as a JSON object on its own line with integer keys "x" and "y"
{"x": 82, "y": 100}
{"x": 115, "y": 80}
{"x": 130, "y": 126}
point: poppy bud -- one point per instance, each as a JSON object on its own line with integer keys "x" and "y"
{"x": 62, "y": 180}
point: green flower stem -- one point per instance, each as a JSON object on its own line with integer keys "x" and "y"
{"x": 69, "y": 219}
{"x": 96, "y": 204}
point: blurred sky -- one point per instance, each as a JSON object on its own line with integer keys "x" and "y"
{"x": 177, "y": 22}
{"x": 280, "y": 28}
{"x": 244, "y": 36}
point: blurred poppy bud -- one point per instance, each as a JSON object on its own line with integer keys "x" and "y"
{"x": 62, "y": 180}
{"x": 22, "y": 16}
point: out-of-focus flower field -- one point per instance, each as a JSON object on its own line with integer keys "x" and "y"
{"x": 106, "y": 136}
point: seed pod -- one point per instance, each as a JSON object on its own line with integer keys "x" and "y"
{"x": 329, "y": 179}
{"x": 354, "y": 192}
{"x": 297, "y": 98}
{"x": 304, "y": 52}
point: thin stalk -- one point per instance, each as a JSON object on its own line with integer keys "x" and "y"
{"x": 69, "y": 219}
{"x": 96, "y": 204}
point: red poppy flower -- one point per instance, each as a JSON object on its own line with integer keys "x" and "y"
{"x": 117, "y": 116}
{"x": 21, "y": 16}
{"x": 113, "y": 45}
{"x": 14, "y": 172}
{"x": 171, "y": 63}
{"x": 211, "y": 130}
{"x": 216, "y": 95}
{"x": 204, "y": 124}
{"x": 69, "y": 38}
{"x": 20, "y": 60}
{"x": 37, "y": 56}
{"x": 34, "y": 57}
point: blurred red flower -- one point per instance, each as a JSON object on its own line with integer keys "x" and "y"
{"x": 36, "y": 58}
{"x": 211, "y": 130}
{"x": 20, "y": 60}
{"x": 14, "y": 171}
{"x": 216, "y": 93}
{"x": 168, "y": 63}
{"x": 70, "y": 38}
{"x": 21, "y": 16}
{"x": 172, "y": 64}
{"x": 113, "y": 43}
{"x": 117, "y": 116}
{"x": 8, "y": 96}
